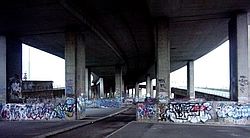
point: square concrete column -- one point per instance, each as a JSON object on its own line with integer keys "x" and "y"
{"x": 148, "y": 86}
{"x": 101, "y": 82}
{"x": 3, "y": 74}
{"x": 137, "y": 90}
{"x": 11, "y": 70}
{"x": 163, "y": 61}
{"x": 239, "y": 58}
{"x": 86, "y": 83}
{"x": 75, "y": 69}
{"x": 118, "y": 83}
{"x": 190, "y": 80}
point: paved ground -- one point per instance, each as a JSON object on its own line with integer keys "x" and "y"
{"x": 26, "y": 129}
{"x": 170, "y": 130}
{"x": 101, "y": 128}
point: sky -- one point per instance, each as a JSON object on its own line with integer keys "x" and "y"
{"x": 211, "y": 70}
{"x": 43, "y": 66}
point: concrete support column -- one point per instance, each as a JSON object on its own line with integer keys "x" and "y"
{"x": 152, "y": 89}
{"x": 101, "y": 88}
{"x": 239, "y": 58}
{"x": 3, "y": 74}
{"x": 137, "y": 90}
{"x": 118, "y": 83}
{"x": 163, "y": 61}
{"x": 11, "y": 69}
{"x": 86, "y": 82}
{"x": 89, "y": 84}
{"x": 75, "y": 68}
{"x": 124, "y": 94}
{"x": 190, "y": 80}
{"x": 148, "y": 86}
{"x": 111, "y": 92}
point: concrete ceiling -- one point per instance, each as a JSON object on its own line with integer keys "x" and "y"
{"x": 122, "y": 32}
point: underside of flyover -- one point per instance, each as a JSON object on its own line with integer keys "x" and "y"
{"x": 122, "y": 32}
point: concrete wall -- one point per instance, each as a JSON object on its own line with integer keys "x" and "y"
{"x": 194, "y": 111}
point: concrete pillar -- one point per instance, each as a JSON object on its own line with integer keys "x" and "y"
{"x": 89, "y": 84}
{"x": 111, "y": 92}
{"x": 137, "y": 90}
{"x": 190, "y": 80}
{"x": 12, "y": 67}
{"x": 239, "y": 58}
{"x": 163, "y": 61}
{"x": 118, "y": 83}
{"x": 3, "y": 74}
{"x": 152, "y": 89}
{"x": 75, "y": 68}
{"x": 123, "y": 90}
{"x": 148, "y": 86}
{"x": 101, "y": 88}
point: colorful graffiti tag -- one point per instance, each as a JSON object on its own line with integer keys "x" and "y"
{"x": 37, "y": 111}
{"x": 233, "y": 111}
{"x": 175, "y": 112}
{"x": 102, "y": 103}
{"x": 188, "y": 112}
{"x": 146, "y": 112}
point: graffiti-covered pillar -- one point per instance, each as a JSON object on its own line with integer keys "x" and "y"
{"x": 239, "y": 47}
{"x": 118, "y": 83}
{"x": 163, "y": 60}
{"x": 75, "y": 68}
{"x": 190, "y": 80}
{"x": 12, "y": 62}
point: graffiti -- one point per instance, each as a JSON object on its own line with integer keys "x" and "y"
{"x": 233, "y": 111}
{"x": 102, "y": 103}
{"x": 15, "y": 87}
{"x": 69, "y": 86}
{"x": 37, "y": 111}
{"x": 188, "y": 112}
{"x": 162, "y": 85}
{"x": 243, "y": 82}
{"x": 81, "y": 105}
{"x": 150, "y": 100}
{"x": 146, "y": 111}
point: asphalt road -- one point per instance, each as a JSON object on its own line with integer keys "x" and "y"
{"x": 171, "y": 130}
{"x": 102, "y": 128}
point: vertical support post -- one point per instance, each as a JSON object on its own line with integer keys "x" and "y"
{"x": 14, "y": 69}
{"x": 75, "y": 68}
{"x": 163, "y": 61}
{"x": 89, "y": 84}
{"x": 190, "y": 80}
{"x": 148, "y": 86}
{"x": 118, "y": 83}
{"x": 3, "y": 74}
{"x": 137, "y": 90}
{"x": 238, "y": 41}
{"x": 101, "y": 88}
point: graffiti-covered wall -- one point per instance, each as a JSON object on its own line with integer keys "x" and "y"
{"x": 42, "y": 110}
{"x": 194, "y": 111}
